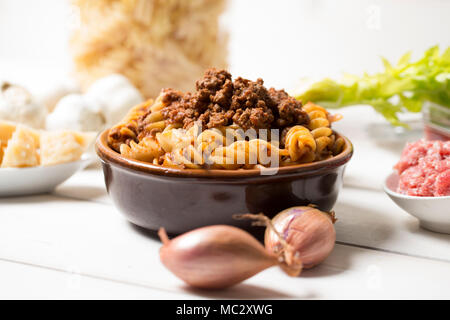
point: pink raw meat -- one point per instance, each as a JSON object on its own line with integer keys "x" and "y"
{"x": 424, "y": 169}
{"x": 443, "y": 184}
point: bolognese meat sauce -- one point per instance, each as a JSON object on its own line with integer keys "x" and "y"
{"x": 220, "y": 101}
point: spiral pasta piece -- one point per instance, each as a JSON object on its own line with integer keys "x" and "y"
{"x": 246, "y": 154}
{"x": 234, "y": 156}
{"x": 299, "y": 142}
{"x": 187, "y": 157}
{"x": 145, "y": 135}
{"x": 127, "y": 129}
{"x": 209, "y": 140}
{"x": 172, "y": 139}
{"x": 190, "y": 148}
{"x": 323, "y": 139}
{"x": 235, "y": 133}
{"x": 318, "y": 116}
{"x": 338, "y": 145}
{"x": 320, "y": 122}
{"x": 146, "y": 150}
{"x": 154, "y": 120}
{"x": 266, "y": 152}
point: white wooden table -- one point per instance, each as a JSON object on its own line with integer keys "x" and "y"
{"x": 74, "y": 243}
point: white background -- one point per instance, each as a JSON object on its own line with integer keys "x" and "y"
{"x": 278, "y": 40}
{"x": 73, "y": 243}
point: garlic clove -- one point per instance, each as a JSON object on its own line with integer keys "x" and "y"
{"x": 75, "y": 112}
{"x": 17, "y": 104}
{"x": 115, "y": 95}
{"x": 53, "y": 91}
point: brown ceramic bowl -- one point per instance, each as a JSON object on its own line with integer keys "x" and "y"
{"x": 180, "y": 200}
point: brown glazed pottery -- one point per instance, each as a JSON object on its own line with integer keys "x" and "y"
{"x": 180, "y": 200}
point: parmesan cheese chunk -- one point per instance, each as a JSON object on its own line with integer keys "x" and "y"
{"x": 21, "y": 150}
{"x": 64, "y": 146}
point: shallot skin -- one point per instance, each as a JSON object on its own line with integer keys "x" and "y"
{"x": 215, "y": 257}
{"x": 309, "y": 231}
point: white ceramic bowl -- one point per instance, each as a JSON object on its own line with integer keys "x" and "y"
{"x": 36, "y": 180}
{"x": 432, "y": 212}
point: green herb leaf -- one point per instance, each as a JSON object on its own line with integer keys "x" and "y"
{"x": 408, "y": 83}
{"x": 404, "y": 60}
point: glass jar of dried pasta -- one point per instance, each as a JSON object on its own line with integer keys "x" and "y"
{"x": 155, "y": 43}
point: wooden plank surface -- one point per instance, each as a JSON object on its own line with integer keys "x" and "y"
{"x": 95, "y": 240}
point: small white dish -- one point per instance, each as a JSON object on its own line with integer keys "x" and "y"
{"x": 432, "y": 212}
{"x": 40, "y": 179}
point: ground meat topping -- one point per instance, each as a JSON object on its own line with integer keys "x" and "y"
{"x": 220, "y": 101}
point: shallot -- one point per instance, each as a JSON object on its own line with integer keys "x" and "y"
{"x": 221, "y": 256}
{"x": 307, "y": 230}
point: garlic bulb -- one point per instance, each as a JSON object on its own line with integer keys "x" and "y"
{"x": 17, "y": 104}
{"x": 115, "y": 96}
{"x": 54, "y": 91}
{"x": 75, "y": 112}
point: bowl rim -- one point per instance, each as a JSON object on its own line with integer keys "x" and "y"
{"x": 395, "y": 194}
{"x": 107, "y": 154}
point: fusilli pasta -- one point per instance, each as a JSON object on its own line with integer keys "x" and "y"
{"x": 300, "y": 143}
{"x": 320, "y": 126}
{"x": 146, "y": 136}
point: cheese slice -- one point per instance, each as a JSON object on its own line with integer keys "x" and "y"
{"x": 1, "y": 151}
{"x": 63, "y": 146}
{"x": 21, "y": 150}
{"x": 6, "y": 131}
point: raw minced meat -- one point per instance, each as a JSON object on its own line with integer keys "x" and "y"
{"x": 424, "y": 169}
